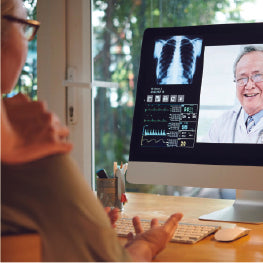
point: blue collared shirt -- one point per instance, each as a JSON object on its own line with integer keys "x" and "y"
{"x": 256, "y": 117}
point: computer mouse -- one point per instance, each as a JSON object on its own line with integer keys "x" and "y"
{"x": 231, "y": 234}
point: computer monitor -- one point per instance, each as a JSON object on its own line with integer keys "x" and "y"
{"x": 179, "y": 136}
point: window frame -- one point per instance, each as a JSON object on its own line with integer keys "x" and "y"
{"x": 64, "y": 41}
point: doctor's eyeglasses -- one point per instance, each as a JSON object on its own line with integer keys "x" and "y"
{"x": 258, "y": 77}
{"x": 30, "y": 26}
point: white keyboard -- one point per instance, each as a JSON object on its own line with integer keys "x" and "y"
{"x": 188, "y": 233}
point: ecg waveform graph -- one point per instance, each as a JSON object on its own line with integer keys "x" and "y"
{"x": 154, "y": 132}
{"x": 156, "y": 109}
{"x": 153, "y": 142}
{"x": 153, "y": 120}
{"x": 169, "y": 125}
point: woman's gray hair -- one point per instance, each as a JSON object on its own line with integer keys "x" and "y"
{"x": 246, "y": 50}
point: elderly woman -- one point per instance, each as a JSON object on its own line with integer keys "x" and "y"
{"x": 42, "y": 188}
{"x": 44, "y": 135}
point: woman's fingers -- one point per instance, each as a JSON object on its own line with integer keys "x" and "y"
{"x": 137, "y": 225}
{"x": 171, "y": 224}
{"x": 154, "y": 222}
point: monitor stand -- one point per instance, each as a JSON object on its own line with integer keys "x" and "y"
{"x": 248, "y": 208}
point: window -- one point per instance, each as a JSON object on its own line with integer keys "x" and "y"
{"x": 117, "y": 33}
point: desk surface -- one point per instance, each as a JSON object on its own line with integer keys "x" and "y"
{"x": 248, "y": 248}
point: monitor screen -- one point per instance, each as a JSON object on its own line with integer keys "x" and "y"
{"x": 186, "y": 85}
{"x": 197, "y": 86}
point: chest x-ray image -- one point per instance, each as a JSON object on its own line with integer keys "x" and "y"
{"x": 176, "y": 59}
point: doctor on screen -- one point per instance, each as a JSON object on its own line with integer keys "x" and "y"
{"x": 243, "y": 124}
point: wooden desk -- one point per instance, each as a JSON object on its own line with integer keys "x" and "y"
{"x": 248, "y": 248}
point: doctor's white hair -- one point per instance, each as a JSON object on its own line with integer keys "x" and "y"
{"x": 246, "y": 50}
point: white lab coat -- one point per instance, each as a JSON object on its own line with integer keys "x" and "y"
{"x": 230, "y": 127}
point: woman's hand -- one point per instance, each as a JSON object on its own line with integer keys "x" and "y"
{"x": 146, "y": 245}
{"x": 29, "y": 131}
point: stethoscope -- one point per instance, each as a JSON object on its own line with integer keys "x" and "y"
{"x": 260, "y": 134}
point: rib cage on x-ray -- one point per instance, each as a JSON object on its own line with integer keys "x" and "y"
{"x": 176, "y": 59}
